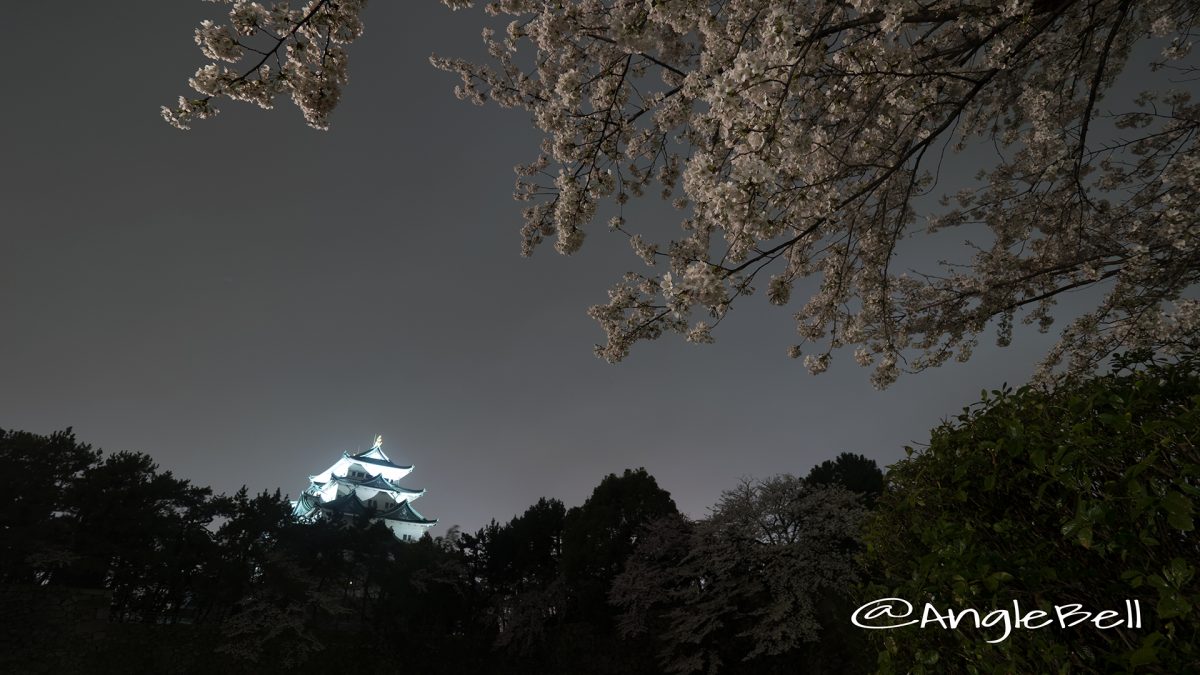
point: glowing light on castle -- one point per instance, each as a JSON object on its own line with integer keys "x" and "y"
{"x": 365, "y": 484}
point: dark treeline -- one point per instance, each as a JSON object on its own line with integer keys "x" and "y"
{"x": 193, "y": 580}
{"x": 1086, "y": 493}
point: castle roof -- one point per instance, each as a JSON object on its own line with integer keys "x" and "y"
{"x": 406, "y": 513}
{"x": 375, "y": 457}
{"x": 375, "y": 481}
{"x": 351, "y": 505}
{"x": 306, "y": 504}
{"x": 367, "y": 474}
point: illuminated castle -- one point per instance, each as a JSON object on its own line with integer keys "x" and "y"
{"x": 365, "y": 484}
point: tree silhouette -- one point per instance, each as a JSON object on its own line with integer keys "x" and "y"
{"x": 854, "y": 472}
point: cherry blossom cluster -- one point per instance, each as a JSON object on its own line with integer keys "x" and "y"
{"x": 270, "y": 50}
{"x": 800, "y": 142}
{"x": 776, "y": 545}
{"x": 797, "y": 140}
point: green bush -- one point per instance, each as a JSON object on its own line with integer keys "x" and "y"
{"x": 1086, "y": 494}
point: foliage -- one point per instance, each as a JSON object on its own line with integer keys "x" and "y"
{"x": 852, "y": 471}
{"x": 35, "y": 473}
{"x": 798, "y": 140}
{"x": 140, "y": 532}
{"x": 599, "y": 535}
{"x": 233, "y": 582}
{"x": 744, "y": 590}
{"x": 191, "y": 581}
{"x": 1082, "y": 494}
{"x": 516, "y": 566}
{"x": 1087, "y": 495}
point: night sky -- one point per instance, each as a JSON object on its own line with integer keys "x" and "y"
{"x": 246, "y": 300}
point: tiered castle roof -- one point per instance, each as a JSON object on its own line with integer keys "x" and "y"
{"x": 365, "y": 484}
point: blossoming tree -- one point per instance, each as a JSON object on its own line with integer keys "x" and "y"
{"x": 756, "y": 587}
{"x": 796, "y": 139}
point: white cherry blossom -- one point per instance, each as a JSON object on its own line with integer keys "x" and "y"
{"x": 798, "y": 137}
{"x": 797, "y": 140}
{"x": 277, "y": 49}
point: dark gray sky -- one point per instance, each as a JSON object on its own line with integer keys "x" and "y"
{"x": 246, "y": 300}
